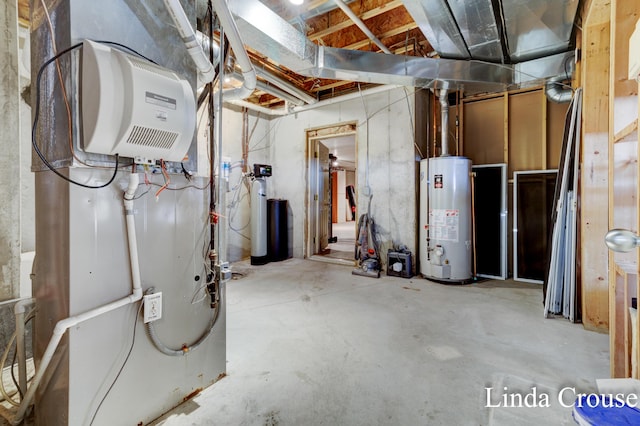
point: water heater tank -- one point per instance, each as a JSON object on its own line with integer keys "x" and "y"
{"x": 449, "y": 248}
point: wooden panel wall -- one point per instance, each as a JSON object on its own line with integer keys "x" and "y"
{"x": 522, "y": 129}
{"x": 623, "y": 177}
{"x": 484, "y": 131}
{"x": 527, "y": 147}
{"x": 555, "y": 129}
{"x": 594, "y": 199}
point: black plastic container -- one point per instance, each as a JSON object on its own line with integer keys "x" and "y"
{"x": 277, "y": 230}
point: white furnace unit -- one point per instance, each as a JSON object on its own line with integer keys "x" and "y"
{"x": 448, "y": 245}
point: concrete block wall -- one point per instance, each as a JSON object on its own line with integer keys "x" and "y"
{"x": 391, "y": 162}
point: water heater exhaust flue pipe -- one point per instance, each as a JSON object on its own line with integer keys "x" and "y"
{"x": 444, "y": 125}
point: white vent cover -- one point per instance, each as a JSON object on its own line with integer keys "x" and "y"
{"x": 134, "y": 108}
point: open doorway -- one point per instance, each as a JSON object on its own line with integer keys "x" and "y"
{"x": 331, "y": 194}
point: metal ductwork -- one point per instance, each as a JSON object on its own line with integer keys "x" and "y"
{"x": 501, "y": 31}
{"x": 266, "y": 32}
{"x": 444, "y": 125}
{"x": 557, "y": 91}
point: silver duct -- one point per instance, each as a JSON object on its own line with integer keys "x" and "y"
{"x": 266, "y": 32}
{"x": 501, "y": 31}
{"x": 556, "y": 91}
{"x": 242, "y": 58}
{"x": 286, "y": 86}
{"x": 444, "y": 125}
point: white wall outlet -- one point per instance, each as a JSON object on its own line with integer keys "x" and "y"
{"x": 152, "y": 307}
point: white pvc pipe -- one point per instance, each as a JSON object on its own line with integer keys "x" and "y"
{"x": 286, "y": 110}
{"x": 242, "y": 58}
{"x": 354, "y": 18}
{"x": 179, "y": 17}
{"x": 63, "y": 325}
{"x": 347, "y": 97}
{"x": 259, "y": 108}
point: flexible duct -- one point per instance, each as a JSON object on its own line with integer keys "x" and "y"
{"x": 557, "y": 91}
{"x": 444, "y": 125}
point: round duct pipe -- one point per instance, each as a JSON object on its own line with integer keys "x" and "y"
{"x": 444, "y": 125}
{"x": 557, "y": 91}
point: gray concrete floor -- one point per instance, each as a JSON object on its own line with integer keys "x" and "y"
{"x": 310, "y": 344}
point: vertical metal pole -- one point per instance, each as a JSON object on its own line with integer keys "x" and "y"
{"x": 221, "y": 243}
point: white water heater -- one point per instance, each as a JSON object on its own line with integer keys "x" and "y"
{"x": 449, "y": 245}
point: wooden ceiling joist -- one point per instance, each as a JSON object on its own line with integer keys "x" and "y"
{"x": 346, "y": 23}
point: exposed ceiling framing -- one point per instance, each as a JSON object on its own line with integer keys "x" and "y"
{"x": 499, "y": 31}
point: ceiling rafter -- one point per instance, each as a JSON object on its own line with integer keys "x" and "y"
{"x": 348, "y": 23}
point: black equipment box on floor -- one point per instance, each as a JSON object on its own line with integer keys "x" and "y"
{"x": 399, "y": 264}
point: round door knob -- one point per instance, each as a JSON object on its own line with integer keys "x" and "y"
{"x": 621, "y": 240}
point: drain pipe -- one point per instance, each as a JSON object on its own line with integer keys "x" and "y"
{"x": 242, "y": 58}
{"x": 206, "y": 72}
{"x": 63, "y": 325}
{"x": 444, "y": 125}
{"x": 557, "y": 91}
{"x": 354, "y": 18}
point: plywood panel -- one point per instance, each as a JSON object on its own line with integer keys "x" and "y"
{"x": 594, "y": 172}
{"x": 483, "y": 131}
{"x": 525, "y": 132}
{"x": 555, "y": 130}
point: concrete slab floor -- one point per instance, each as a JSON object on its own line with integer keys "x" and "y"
{"x": 311, "y": 344}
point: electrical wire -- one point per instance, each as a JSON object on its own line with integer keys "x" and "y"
{"x": 366, "y": 170}
{"x": 167, "y": 179}
{"x": 13, "y": 360}
{"x": 127, "y": 48}
{"x": 54, "y": 47}
{"x": 133, "y": 341}
{"x": 3, "y": 361}
{"x": 36, "y": 118}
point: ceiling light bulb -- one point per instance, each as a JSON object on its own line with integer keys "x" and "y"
{"x": 335, "y": 163}
{"x": 296, "y": 2}
{"x": 227, "y": 79}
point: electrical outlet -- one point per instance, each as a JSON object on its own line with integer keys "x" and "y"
{"x": 152, "y": 307}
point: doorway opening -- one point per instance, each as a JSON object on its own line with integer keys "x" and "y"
{"x": 331, "y": 194}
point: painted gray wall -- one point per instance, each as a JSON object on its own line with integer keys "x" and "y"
{"x": 238, "y": 207}
{"x": 391, "y": 162}
{"x": 9, "y": 155}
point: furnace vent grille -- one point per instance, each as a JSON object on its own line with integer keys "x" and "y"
{"x": 146, "y": 136}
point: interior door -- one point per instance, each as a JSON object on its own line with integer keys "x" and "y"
{"x": 490, "y": 211}
{"x": 324, "y": 197}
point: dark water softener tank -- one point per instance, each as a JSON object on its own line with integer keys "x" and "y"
{"x": 277, "y": 230}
